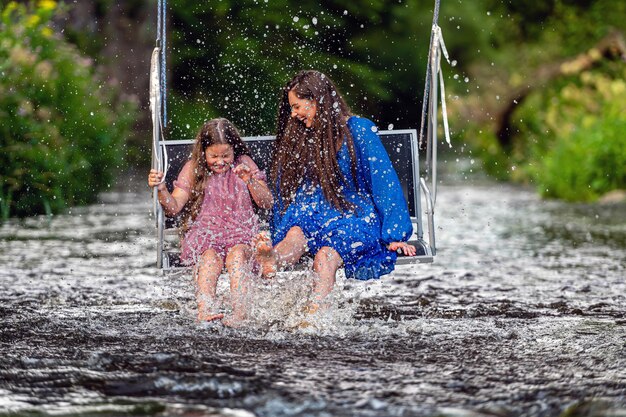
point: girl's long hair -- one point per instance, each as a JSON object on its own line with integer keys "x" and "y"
{"x": 214, "y": 132}
{"x": 310, "y": 154}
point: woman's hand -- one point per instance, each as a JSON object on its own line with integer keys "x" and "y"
{"x": 154, "y": 180}
{"x": 402, "y": 248}
{"x": 244, "y": 172}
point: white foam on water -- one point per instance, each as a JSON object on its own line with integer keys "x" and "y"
{"x": 277, "y": 308}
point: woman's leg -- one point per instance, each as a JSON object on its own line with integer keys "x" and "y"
{"x": 286, "y": 252}
{"x": 207, "y": 271}
{"x": 238, "y": 267}
{"x": 326, "y": 263}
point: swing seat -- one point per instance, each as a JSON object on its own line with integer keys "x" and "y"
{"x": 401, "y": 145}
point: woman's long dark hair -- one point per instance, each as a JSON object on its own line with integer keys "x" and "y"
{"x": 311, "y": 153}
{"x": 214, "y": 132}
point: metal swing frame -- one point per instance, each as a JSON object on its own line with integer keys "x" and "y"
{"x": 427, "y": 136}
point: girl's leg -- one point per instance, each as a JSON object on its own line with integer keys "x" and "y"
{"x": 207, "y": 271}
{"x": 238, "y": 267}
{"x": 326, "y": 263}
{"x": 286, "y": 252}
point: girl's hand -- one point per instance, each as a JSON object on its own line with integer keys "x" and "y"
{"x": 402, "y": 248}
{"x": 244, "y": 172}
{"x": 154, "y": 180}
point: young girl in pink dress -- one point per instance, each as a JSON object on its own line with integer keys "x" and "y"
{"x": 215, "y": 190}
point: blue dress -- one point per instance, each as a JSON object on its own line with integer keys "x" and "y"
{"x": 360, "y": 236}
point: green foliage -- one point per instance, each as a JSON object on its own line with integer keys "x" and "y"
{"x": 567, "y": 138}
{"x": 61, "y": 129}
{"x": 570, "y": 139}
{"x": 577, "y": 143}
{"x": 526, "y": 31}
{"x": 230, "y": 58}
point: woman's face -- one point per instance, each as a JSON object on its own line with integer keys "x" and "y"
{"x": 302, "y": 109}
{"x": 219, "y": 157}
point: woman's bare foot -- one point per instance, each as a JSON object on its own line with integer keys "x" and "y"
{"x": 311, "y": 308}
{"x": 265, "y": 255}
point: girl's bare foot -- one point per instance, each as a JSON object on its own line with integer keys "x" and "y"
{"x": 234, "y": 320}
{"x": 265, "y": 255}
{"x": 205, "y": 313}
{"x": 209, "y": 316}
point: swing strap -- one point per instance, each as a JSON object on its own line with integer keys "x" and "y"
{"x": 428, "y": 120}
{"x": 161, "y": 43}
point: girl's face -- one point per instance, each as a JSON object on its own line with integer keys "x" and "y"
{"x": 219, "y": 157}
{"x": 302, "y": 109}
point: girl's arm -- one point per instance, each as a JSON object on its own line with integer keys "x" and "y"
{"x": 257, "y": 187}
{"x": 172, "y": 203}
{"x": 260, "y": 193}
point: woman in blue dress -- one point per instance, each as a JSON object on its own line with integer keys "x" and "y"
{"x": 337, "y": 195}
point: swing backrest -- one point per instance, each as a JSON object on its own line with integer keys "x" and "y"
{"x": 401, "y": 146}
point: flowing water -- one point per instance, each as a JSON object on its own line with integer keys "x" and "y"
{"x": 523, "y": 313}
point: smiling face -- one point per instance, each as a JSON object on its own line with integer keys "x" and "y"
{"x": 219, "y": 157}
{"x": 302, "y": 109}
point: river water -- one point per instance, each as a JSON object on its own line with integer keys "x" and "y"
{"x": 523, "y": 313}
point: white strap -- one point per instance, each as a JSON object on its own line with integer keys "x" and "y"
{"x": 165, "y": 158}
{"x": 444, "y": 111}
{"x": 155, "y": 107}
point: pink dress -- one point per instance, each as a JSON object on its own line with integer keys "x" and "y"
{"x": 226, "y": 217}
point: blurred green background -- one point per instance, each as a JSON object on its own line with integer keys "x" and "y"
{"x": 537, "y": 92}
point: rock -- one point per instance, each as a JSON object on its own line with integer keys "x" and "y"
{"x": 613, "y": 197}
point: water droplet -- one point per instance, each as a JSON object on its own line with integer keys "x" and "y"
{"x": 390, "y": 127}
{"x": 314, "y": 20}
{"x": 456, "y": 76}
{"x": 466, "y": 79}
{"x": 374, "y": 129}
{"x": 345, "y": 12}
{"x": 187, "y": 126}
{"x": 453, "y": 63}
{"x": 296, "y": 18}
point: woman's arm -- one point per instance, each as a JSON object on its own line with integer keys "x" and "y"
{"x": 380, "y": 180}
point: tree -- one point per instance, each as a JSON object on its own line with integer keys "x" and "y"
{"x": 61, "y": 126}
